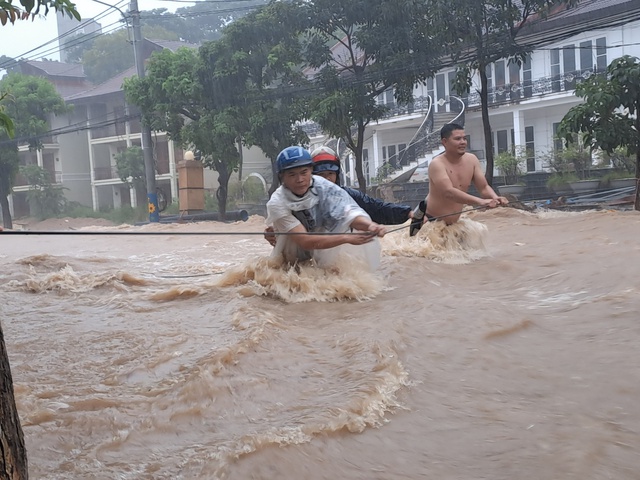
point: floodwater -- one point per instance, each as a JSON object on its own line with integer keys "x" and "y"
{"x": 505, "y": 347}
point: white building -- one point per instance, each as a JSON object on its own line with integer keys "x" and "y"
{"x": 526, "y": 103}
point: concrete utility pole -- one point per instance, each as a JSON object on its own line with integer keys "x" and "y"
{"x": 147, "y": 152}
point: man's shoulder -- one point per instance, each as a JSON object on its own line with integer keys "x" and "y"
{"x": 470, "y": 157}
{"x": 276, "y": 197}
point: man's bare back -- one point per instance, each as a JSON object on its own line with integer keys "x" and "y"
{"x": 451, "y": 175}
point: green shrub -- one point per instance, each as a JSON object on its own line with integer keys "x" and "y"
{"x": 511, "y": 166}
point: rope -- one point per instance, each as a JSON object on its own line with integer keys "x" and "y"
{"x": 89, "y": 232}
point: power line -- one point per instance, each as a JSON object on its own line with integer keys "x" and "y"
{"x": 59, "y": 37}
{"x": 143, "y": 16}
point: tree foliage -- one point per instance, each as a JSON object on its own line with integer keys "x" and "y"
{"x": 130, "y": 167}
{"x": 113, "y": 53}
{"x": 201, "y": 22}
{"x": 609, "y": 117}
{"x": 171, "y": 99}
{"x": 487, "y": 35}
{"x": 46, "y": 198}
{"x": 248, "y": 69}
{"x": 29, "y": 102}
{"x": 358, "y": 50}
{"x": 11, "y": 11}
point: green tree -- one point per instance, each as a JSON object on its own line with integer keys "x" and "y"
{"x": 47, "y": 199}
{"x": 76, "y": 45}
{"x": 487, "y": 35}
{"x": 29, "y": 102}
{"x": 171, "y": 99}
{"x": 249, "y": 68}
{"x": 130, "y": 167}
{"x": 358, "y": 50}
{"x": 26, "y": 9}
{"x": 201, "y": 22}
{"x": 113, "y": 53}
{"x": 609, "y": 117}
{"x": 6, "y": 124}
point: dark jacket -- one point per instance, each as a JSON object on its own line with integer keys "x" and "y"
{"x": 381, "y": 212}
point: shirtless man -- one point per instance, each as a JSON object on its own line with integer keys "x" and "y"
{"x": 450, "y": 176}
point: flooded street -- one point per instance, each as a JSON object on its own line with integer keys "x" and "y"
{"x": 504, "y": 347}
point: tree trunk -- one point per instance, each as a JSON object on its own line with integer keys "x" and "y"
{"x": 223, "y": 189}
{"x": 358, "y": 148}
{"x": 14, "y": 454}
{"x": 486, "y": 124}
{"x": 275, "y": 183}
{"x": 6, "y": 213}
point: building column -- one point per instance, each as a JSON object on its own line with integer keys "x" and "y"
{"x": 518, "y": 130}
{"x": 11, "y": 211}
{"x": 92, "y": 173}
{"x": 172, "y": 170}
{"x": 375, "y": 157}
{"x": 39, "y": 158}
{"x": 133, "y": 196}
{"x": 127, "y": 127}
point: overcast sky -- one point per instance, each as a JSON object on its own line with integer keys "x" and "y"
{"x": 18, "y": 40}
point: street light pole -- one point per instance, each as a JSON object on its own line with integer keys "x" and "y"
{"x": 147, "y": 152}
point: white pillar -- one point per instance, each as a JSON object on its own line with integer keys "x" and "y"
{"x": 172, "y": 170}
{"x": 518, "y": 130}
{"x": 133, "y": 196}
{"x": 92, "y": 173}
{"x": 352, "y": 171}
{"x": 127, "y": 127}
{"x": 39, "y": 158}
{"x": 376, "y": 157}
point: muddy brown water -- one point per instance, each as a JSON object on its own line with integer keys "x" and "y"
{"x": 503, "y": 348}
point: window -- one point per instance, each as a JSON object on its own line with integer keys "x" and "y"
{"x": 569, "y": 65}
{"x": 526, "y": 76}
{"x": 386, "y": 98}
{"x": 514, "y": 79}
{"x": 402, "y": 155}
{"x": 430, "y": 89}
{"x": 500, "y": 80}
{"x": 555, "y": 70}
{"x": 393, "y": 159}
{"x": 440, "y": 93}
{"x": 530, "y": 149}
{"x": 601, "y": 54}
{"x": 393, "y": 154}
{"x": 558, "y": 144}
{"x": 586, "y": 56}
{"x": 489, "y": 73}
{"x": 502, "y": 142}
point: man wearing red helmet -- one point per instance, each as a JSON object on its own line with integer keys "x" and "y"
{"x": 327, "y": 164}
{"x": 304, "y": 205}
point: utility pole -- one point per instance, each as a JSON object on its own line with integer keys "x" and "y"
{"x": 147, "y": 152}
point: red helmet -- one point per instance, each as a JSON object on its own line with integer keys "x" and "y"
{"x": 325, "y": 159}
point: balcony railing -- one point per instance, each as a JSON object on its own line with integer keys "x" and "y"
{"x": 419, "y": 105}
{"x": 53, "y": 176}
{"x": 105, "y": 173}
{"x": 542, "y": 86}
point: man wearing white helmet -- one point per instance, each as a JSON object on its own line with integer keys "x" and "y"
{"x": 305, "y": 204}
